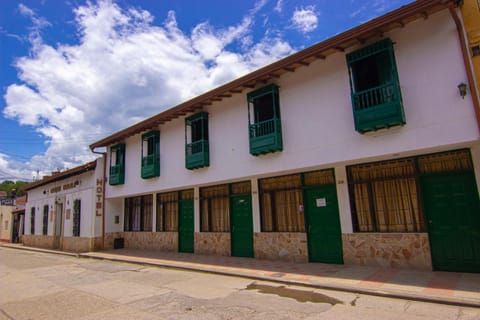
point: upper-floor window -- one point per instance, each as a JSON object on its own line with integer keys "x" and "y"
{"x": 196, "y": 141}
{"x": 375, "y": 89}
{"x": 151, "y": 154}
{"x": 117, "y": 164}
{"x": 265, "y": 129}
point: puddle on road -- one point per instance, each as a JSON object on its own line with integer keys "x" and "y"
{"x": 299, "y": 295}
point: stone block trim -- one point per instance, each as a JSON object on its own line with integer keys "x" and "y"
{"x": 162, "y": 241}
{"x": 394, "y": 250}
{"x": 39, "y": 241}
{"x": 212, "y": 243}
{"x": 281, "y": 246}
{"x": 76, "y": 244}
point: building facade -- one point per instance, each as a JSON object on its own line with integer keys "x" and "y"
{"x": 471, "y": 18}
{"x": 6, "y": 209}
{"x": 357, "y": 150}
{"x": 64, "y": 211}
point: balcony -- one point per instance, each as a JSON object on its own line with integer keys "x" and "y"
{"x": 151, "y": 166}
{"x": 265, "y": 137}
{"x": 377, "y": 108}
{"x": 197, "y": 155}
{"x": 117, "y": 175}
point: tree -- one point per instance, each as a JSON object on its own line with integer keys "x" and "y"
{"x": 9, "y": 186}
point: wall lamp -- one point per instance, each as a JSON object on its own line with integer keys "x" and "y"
{"x": 462, "y": 89}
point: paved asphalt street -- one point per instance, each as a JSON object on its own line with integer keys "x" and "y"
{"x": 36, "y": 285}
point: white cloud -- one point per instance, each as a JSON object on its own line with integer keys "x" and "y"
{"x": 305, "y": 19}
{"x": 279, "y": 6}
{"x": 124, "y": 68}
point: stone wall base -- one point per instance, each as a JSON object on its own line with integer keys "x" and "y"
{"x": 162, "y": 241}
{"x": 38, "y": 241}
{"x": 396, "y": 250}
{"x": 212, "y": 243}
{"x": 281, "y": 246}
{"x": 77, "y": 244}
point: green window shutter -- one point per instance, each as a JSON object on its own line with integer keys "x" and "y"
{"x": 150, "y": 154}
{"x": 117, "y": 165}
{"x": 196, "y": 141}
{"x": 76, "y": 217}
{"x": 375, "y": 88}
{"x": 265, "y": 129}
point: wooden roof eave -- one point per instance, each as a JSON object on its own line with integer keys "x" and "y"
{"x": 373, "y": 28}
{"x": 62, "y": 175}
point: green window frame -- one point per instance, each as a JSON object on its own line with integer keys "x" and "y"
{"x": 77, "y": 209}
{"x": 168, "y": 206}
{"x": 265, "y": 129}
{"x": 282, "y": 198}
{"x": 196, "y": 141}
{"x": 117, "y": 165}
{"x": 138, "y": 213}
{"x": 385, "y": 196}
{"x": 215, "y": 205}
{"x": 375, "y": 88}
{"x": 150, "y": 154}
{"x": 45, "y": 220}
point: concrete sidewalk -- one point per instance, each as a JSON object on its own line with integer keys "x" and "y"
{"x": 439, "y": 287}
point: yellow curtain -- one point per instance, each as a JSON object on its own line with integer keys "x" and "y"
{"x": 214, "y": 209}
{"x": 285, "y": 194}
{"x": 167, "y": 212}
{"x": 362, "y": 204}
{"x": 386, "y": 197}
{"x": 147, "y": 212}
{"x": 447, "y": 161}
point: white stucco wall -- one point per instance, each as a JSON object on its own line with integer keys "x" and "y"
{"x": 90, "y": 224}
{"x": 317, "y": 119}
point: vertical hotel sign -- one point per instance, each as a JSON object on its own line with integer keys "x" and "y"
{"x": 99, "y": 197}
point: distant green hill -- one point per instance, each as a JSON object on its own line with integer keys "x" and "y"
{"x": 8, "y": 186}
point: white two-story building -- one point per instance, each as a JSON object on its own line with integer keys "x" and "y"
{"x": 362, "y": 149}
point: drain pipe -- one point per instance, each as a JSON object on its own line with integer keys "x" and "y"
{"x": 466, "y": 61}
{"x": 104, "y": 176}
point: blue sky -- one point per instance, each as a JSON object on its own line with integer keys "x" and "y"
{"x": 75, "y": 71}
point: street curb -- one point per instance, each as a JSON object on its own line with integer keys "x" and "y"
{"x": 32, "y": 249}
{"x": 372, "y": 292}
{"x": 355, "y": 290}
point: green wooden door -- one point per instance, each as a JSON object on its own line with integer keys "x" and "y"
{"x": 241, "y": 225}
{"x": 185, "y": 226}
{"x": 324, "y": 235}
{"x": 452, "y": 211}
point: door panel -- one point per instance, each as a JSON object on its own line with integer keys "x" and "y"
{"x": 57, "y": 240}
{"x": 186, "y": 226}
{"x": 453, "y": 214}
{"x": 323, "y": 225}
{"x": 241, "y": 226}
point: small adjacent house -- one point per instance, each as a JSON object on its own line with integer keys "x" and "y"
{"x": 64, "y": 210}
{"x": 360, "y": 150}
{"x": 6, "y": 208}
